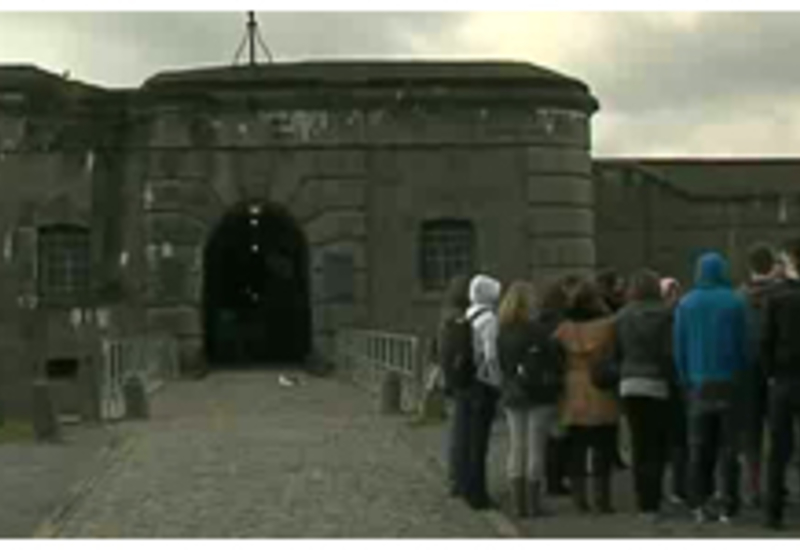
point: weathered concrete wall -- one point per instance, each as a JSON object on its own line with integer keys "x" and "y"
{"x": 522, "y": 179}
{"x": 483, "y": 185}
{"x": 361, "y": 182}
{"x": 643, "y": 220}
{"x": 560, "y": 199}
{"x": 194, "y": 177}
{"x": 359, "y": 172}
{"x": 50, "y": 173}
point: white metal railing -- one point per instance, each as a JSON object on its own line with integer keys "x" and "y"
{"x": 154, "y": 359}
{"x": 368, "y": 354}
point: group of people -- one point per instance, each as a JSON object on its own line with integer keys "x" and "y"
{"x": 701, "y": 378}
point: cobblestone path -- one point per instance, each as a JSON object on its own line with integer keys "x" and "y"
{"x": 236, "y": 455}
{"x": 36, "y": 479}
{"x": 565, "y": 522}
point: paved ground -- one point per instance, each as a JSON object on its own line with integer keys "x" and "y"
{"x": 36, "y": 479}
{"x": 236, "y": 455}
{"x": 564, "y": 522}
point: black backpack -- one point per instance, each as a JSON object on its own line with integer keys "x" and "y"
{"x": 457, "y": 354}
{"x": 540, "y": 372}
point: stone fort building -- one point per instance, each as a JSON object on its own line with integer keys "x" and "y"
{"x": 252, "y": 211}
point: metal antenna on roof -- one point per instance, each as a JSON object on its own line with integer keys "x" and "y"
{"x": 252, "y": 37}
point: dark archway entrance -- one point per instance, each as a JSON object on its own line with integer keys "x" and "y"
{"x": 256, "y": 299}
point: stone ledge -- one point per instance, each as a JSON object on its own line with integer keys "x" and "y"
{"x": 553, "y": 161}
{"x": 560, "y": 190}
{"x": 557, "y": 221}
{"x": 574, "y": 251}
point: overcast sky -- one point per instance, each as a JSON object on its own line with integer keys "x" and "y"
{"x": 689, "y": 84}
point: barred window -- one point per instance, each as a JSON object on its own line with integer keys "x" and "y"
{"x": 447, "y": 249}
{"x": 64, "y": 259}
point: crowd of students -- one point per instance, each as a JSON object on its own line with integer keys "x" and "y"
{"x": 707, "y": 380}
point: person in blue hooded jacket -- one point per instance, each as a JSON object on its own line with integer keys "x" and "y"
{"x": 710, "y": 350}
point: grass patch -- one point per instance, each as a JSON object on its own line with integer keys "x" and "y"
{"x": 14, "y": 431}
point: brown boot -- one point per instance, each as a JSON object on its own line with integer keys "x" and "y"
{"x": 518, "y": 496}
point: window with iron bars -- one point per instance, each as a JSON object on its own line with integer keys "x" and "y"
{"x": 447, "y": 249}
{"x": 63, "y": 263}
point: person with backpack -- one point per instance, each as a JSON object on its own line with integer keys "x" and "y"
{"x": 453, "y": 310}
{"x": 780, "y": 357}
{"x": 531, "y": 362}
{"x": 710, "y": 347}
{"x": 752, "y": 391}
{"x": 472, "y": 374}
{"x": 644, "y": 352}
{"x": 590, "y": 412}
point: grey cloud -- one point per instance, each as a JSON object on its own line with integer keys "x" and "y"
{"x": 125, "y": 48}
{"x": 724, "y": 85}
{"x": 647, "y": 66}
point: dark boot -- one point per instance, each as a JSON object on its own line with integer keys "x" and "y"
{"x": 554, "y": 468}
{"x": 602, "y": 495}
{"x": 578, "y": 488}
{"x": 518, "y": 497}
{"x": 535, "y": 507}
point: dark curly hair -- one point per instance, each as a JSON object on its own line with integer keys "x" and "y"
{"x": 644, "y": 284}
{"x": 586, "y": 302}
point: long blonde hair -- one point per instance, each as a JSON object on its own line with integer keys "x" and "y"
{"x": 518, "y": 304}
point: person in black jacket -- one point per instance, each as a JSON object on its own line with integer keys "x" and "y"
{"x": 531, "y": 362}
{"x": 552, "y": 306}
{"x": 454, "y": 306}
{"x": 780, "y": 358}
{"x": 612, "y": 289}
{"x": 764, "y": 281}
{"x": 644, "y": 355}
{"x": 671, "y": 293}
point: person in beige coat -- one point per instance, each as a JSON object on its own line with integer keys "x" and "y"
{"x": 590, "y": 414}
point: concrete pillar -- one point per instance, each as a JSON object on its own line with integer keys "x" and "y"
{"x": 391, "y": 393}
{"x": 137, "y": 405}
{"x": 45, "y": 416}
{"x": 560, "y": 196}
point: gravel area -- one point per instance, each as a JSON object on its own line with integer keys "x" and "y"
{"x": 37, "y": 479}
{"x": 564, "y": 522}
{"x": 237, "y": 455}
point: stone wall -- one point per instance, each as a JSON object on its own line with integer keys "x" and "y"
{"x": 647, "y": 219}
{"x": 360, "y": 168}
{"x": 51, "y": 173}
{"x": 360, "y": 182}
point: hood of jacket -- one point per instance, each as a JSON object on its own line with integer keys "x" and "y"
{"x": 711, "y": 341}
{"x": 484, "y": 291}
{"x": 712, "y": 271}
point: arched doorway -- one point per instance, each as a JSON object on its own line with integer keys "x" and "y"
{"x": 256, "y": 299}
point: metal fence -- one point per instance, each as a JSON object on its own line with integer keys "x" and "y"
{"x": 367, "y": 356}
{"x": 154, "y": 359}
